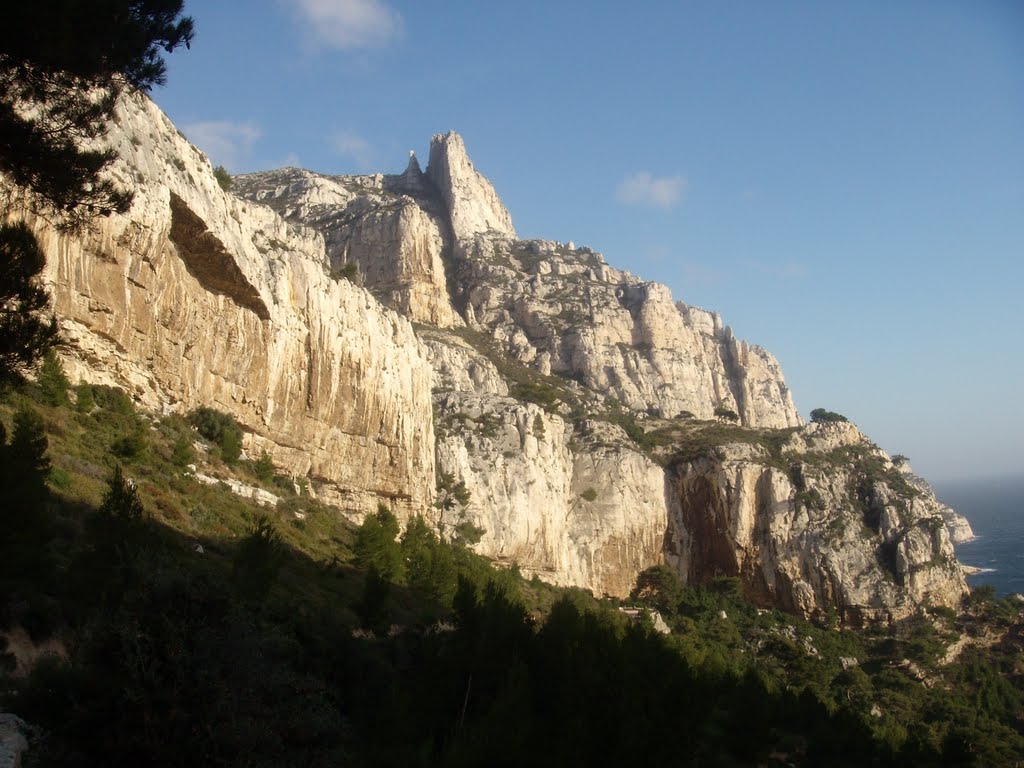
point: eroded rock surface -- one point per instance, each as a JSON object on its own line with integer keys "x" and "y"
{"x": 828, "y": 521}
{"x": 195, "y": 297}
{"x": 568, "y": 407}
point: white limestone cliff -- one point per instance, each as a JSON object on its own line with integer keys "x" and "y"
{"x": 195, "y": 297}
{"x": 394, "y": 245}
{"x": 534, "y": 376}
{"x": 574, "y": 515}
{"x": 473, "y": 206}
{"x": 567, "y": 312}
{"x": 839, "y": 528}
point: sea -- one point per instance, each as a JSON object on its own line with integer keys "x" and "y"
{"x": 995, "y": 509}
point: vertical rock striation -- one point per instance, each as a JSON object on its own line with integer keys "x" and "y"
{"x": 195, "y": 297}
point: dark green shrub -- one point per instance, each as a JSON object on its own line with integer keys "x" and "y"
{"x": 821, "y": 416}
{"x": 52, "y": 382}
{"x": 373, "y": 606}
{"x": 182, "y": 452}
{"x": 60, "y": 478}
{"x": 130, "y": 446}
{"x": 220, "y": 428}
{"x": 726, "y": 414}
{"x": 84, "y": 400}
{"x": 589, "y": 495}
{"x": 348, "y": 272}
{"x": 112, "y": 399}
{"x": 223, "y": 177}
{"x": 468, "y": 534}
{"x": 285, "y": 484}
{"x": 263, "y": 468}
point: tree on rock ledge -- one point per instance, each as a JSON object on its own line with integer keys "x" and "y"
{"x": 821, "y": 416}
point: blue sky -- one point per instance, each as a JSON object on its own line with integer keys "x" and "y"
{"x": 843, "y": 181}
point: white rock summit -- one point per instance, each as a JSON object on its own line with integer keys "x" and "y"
{"x": 474, "y": 208}
{"x": 387, "y": 337}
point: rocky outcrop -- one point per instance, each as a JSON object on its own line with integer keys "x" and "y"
{"x": 553, "y": 307}
{"x": 827, "y": 522}
{"x": 195, "y": 297}
{"x": 565, "y": 311}
{"x": 374, "y": 232}
{"x": 575, "y": 510}
{"x": 958, "y": 526}
{"x": 474, "y": 208}
{"x": 590, "y": 517}
{"x": 569, "y": 408}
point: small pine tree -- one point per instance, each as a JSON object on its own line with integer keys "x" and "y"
{"x": 231, "y": 447}
{"x": 52, "y": 382}
{"x": 121, "y": 501}
{"x": 24, "y": 514}
{"x": 223, "y": 177}
{"x": 376, "y": 545}
{"x": 84, "y": 400}
{"x": 429, "y": 566}
{"x": 117, "y": 525}
{"x": 263, "y": 467}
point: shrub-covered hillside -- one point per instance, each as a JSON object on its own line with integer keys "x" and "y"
{"x": 187, "y": 625}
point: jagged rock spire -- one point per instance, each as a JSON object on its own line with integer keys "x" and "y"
{"x": 413, "y": 168}
{"x": 473, "y": 205}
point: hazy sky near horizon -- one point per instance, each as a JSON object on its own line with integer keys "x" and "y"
{"x": 842, "y": 181}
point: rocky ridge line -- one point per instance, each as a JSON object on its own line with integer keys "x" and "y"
{"x": 574, "y": 405}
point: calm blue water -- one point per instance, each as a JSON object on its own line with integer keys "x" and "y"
{"x": 995, "y": 508}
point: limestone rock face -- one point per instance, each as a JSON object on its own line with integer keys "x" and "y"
{"x": 371, "y": 224}
{"x": 574, "y": 498}
{"x": 556, "y": 308}
{"x": 473, "y": 205}
{"x": 588, "y": 512}
{"x": 958, "y": 526}
{"x": 588, "y": 517}
{"x": 195, "y": 297}
{"x": 562, "y": 402}
{"x": 840, "y": 527}
{"x": 459, "y": 367}
{"x": 565, "y": 311}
